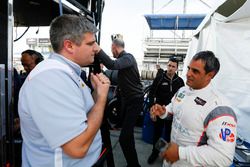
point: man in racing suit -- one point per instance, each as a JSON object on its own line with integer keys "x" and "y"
{"x": 204, "y": 124}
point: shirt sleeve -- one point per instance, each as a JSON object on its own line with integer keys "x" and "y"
{"x": 221, "y": 139}
{"x": 122, "y": 62}
{"x": 168, "y": 111}
{"x": 169, "y": 108}
{"x": 57, "y": 107}
{"x": 153, "y": 89}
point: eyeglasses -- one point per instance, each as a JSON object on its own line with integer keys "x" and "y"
{"x": 113, "y": 37}
{"x": 116, "y": 36}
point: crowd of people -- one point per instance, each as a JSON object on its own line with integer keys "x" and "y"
{"x": 61, "y": 111}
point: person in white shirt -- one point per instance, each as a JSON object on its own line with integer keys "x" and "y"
{"x": 60, "y": 119}
{"x": 204, "y": 124}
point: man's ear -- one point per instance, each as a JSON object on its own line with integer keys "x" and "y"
{"x": 68, "y": 46}
{"x": 33, "y": 58}
{"x": 211, "y": 74}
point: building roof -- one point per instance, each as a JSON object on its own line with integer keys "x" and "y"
{"x": 174, "y": 21}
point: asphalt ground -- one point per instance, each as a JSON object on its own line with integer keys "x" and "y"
{"x": 143, "y": 150}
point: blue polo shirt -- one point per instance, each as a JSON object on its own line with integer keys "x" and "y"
{"x": 53, "y": 107}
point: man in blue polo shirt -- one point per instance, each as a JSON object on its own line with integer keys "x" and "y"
{"x": 60, "y": 119}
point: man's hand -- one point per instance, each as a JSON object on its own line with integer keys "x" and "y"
{"x": 97, "y": 48}
{"x": 171, "y": 154}
{"x": 100, "y": 85}
{"x": 16, "y": 124}
{"x": 157, "y": 110}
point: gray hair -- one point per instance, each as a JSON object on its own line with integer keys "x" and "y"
{"x": 69, "y": 27}
{"x": 117, "y": 39}
{"x": 119, "y": 43}
{"x": 211, "y": 62}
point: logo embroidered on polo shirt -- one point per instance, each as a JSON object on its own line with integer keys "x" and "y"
{"x": 200, "y": 101}
{"x": 82, "y": 85}
{"x": 180, "y": 96}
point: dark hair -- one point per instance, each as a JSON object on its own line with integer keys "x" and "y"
{"x": 173, "y": 59}
{"x": 38, "y": 56}
{"x": 211, "y": 62}
{"x": 29, "y": 52}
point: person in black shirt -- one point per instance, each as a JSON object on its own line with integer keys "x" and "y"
{"x": 163, "y": 88}
{"x": 131, "y": 94}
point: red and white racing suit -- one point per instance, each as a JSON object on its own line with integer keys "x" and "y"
{"x": 204, "y": 127}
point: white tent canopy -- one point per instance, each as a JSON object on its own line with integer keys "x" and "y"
{"x": 226, "y": 32}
